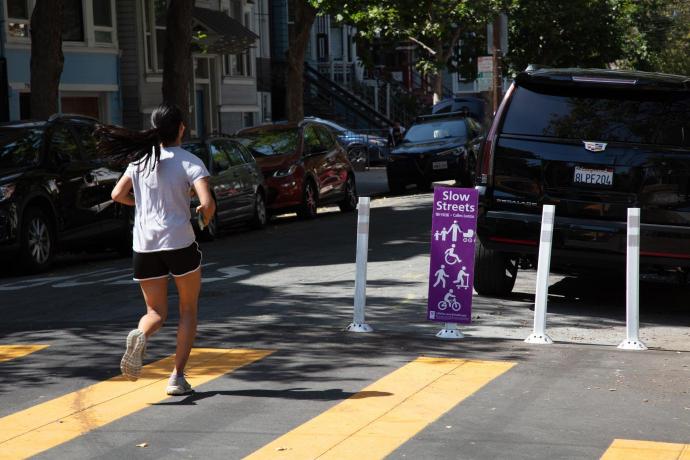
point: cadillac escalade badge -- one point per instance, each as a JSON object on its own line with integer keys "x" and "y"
{"x": 595, "y": 146}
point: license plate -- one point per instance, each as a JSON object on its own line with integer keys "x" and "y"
{"x": 593, "y": 176}
{"x": 439, "y": 165}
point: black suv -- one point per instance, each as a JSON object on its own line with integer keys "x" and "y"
{"x": 593, "y": 143}
{"x": 436, "y": 147}
{"x": 55, "y": 191}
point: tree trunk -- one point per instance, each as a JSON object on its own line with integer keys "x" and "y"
{"x": 304, "y": 19}
{"x": 46, "y": 57}
{"x": 438, "y": 87}
{"x": 443, "y": 54}
{"x": 177, "y": 56}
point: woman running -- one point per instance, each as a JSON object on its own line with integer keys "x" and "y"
{"x": 161, "y": 174}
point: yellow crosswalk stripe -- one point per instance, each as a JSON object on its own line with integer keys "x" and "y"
{"x": 8, "y": 352}
{"x": 374, "y": 422}
{"x": 625, "y": 449}
{"x": 54, "y": 422}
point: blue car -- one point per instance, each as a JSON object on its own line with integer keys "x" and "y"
{"x": 362, "y": 149}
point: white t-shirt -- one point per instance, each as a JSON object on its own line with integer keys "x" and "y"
{"x": 162, "y": 217}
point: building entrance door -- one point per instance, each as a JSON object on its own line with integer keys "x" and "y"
{"x": 206, "y": 90}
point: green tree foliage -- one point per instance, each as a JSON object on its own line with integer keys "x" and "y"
{"x": 566, "y": 33}
{"x": 435, "y": 26}
{"x": 651, "y": 35}
{"x": 658, "y": 36}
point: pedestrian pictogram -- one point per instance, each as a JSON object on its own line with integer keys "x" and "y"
{"x": 453, "y": 235}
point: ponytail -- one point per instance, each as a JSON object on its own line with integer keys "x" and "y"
{"x": 122, "y": 146}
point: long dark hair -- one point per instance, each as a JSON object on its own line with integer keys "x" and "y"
{"x": 122, "y": 146}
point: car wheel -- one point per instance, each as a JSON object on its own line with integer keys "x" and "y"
{"x": 494, "y": 272}
{"x": 349, "y": 203}
{"x": 210, "y": 232}
{"x": 358, "y": 157}
{"x": 37, "y": 241}
{"x": 260, "y": 214}
{"x": 309, "y": 201}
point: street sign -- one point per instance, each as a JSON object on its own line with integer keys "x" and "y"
{"x": 485, "y": 64}
{"x": 451, "y": 271}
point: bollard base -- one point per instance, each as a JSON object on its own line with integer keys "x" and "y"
{"x": 540, "y": 339}
{"x": 450, "y": 332}
{"x": 359, "y": 327}
{"x": 630, "y": 344}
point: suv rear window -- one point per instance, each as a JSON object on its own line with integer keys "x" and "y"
{"x": 613, "y": 116}
{"x": 19, "y": 147}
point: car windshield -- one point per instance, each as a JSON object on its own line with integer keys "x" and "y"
{"x": 19, "y": 146}
{"x": 436, "y": 130}
{"x": 612, "y": 116}
{"x": 335, "y": 126}
{"x": 271, "y": 142}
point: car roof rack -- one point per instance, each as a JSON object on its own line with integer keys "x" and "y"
{"x": 437, "y": 116}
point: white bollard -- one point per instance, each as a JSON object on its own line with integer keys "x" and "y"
{"x": 358, "y": 322}
{"x": 450, "y": 331}
{"x": 632, "y": 281}
{"x": 544, "y": 266}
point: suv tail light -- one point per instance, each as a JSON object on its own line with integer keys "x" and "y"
{"x": 487, "y": 164}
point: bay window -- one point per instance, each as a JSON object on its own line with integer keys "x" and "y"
{"x": 18, "y": 16}
{"x": 89, "y": 22}
{"x": 239, "y": 65}
{"x": 154, "y": 33}
{"x": 73, "y": 21}
{"x": 103, "y": 29}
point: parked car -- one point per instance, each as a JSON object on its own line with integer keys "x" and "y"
{"x": 303, "y": 166}
{"x": 55, "y": 192}
{"x": 593, "y": 143}
{"x": 236, "y": 183}
{"x": 436, "y": 147}
{"x": 475, "y": 107}
{"x": 363, "y": 149}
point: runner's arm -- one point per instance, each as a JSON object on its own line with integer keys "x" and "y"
{"x": 208, "y": 204}
{"x": 122, "y": 193}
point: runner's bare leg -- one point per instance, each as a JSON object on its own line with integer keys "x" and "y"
{"x": 156, "y": 297}
{"x": 188, "y": 287}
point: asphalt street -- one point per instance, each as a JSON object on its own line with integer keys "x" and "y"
{"x": 277, "y": 376}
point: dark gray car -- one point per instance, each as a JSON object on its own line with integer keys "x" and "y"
{"x": 236, "y": 183}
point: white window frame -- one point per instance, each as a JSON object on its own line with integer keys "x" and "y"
{"x": 149, "y": 16}
{"x": 27, "y": 22}
{"x": 87, "y": 22}
{"x": 247, "y": 56}
{"x": 93, "y": 28}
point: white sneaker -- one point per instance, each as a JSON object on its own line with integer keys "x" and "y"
{"x": 131, "y": 362}
{"x": 178, "y": 385}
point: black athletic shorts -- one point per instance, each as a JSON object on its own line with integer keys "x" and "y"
{"x": 161, "y": 264}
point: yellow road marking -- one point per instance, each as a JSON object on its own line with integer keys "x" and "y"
{"x": 54, "y": 422}
{"x": 374, "y": 422}
{"x": 625, "y": 449}
{"x": 8, "y": 352}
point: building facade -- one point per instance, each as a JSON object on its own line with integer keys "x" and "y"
{"x": 228, "y": 58}
{"x": 89, "y": 83}
{"x": 331, "y": 50}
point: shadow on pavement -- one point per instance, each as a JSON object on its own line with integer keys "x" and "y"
{"x": 334, "y": 394}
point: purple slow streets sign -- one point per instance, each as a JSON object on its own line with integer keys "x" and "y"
{"x": 451, "y": 271}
